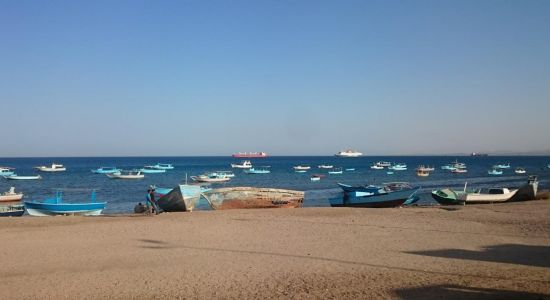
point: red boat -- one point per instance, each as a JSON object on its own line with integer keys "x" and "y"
{"x": 250, "y": 154}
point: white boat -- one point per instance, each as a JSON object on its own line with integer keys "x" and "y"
{"x": 18, "y": 177}
{"x": 398, "y": 167}
{"x": 211, "y": 177}
{"x": 459, "y": 171}
{"x": 425, "y": 168}
{"x": 502, "y": 166}
{"x": 422, "y": 173}
{"x": 302, "y": 168}
{"x": 10, "y": 196}
{"x": 325, "y": 166}
{"x": 376, "y": 167}
{"x": 229, "y": 174}
{"x": 349, "y": 153}
{"x": 126, "y": 175}
{"x": 520, "y": 171}
{"x": 52, "y": 168}
{"x": 491, "y": 196}
{"x": 245, "y": 164}
{"x": 336, "y": 171}
{"x": 383, "y": 164}
{"x": 6, "y": 171}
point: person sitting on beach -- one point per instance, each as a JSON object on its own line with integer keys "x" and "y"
{"x": 151, "y": 201}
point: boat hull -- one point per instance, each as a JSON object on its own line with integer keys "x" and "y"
{"x": 41, "y": 209}
{"x": 251, "y": 197}
{"x": 446, "y": 197}
{"x": 15, "y": 177}
{"x": 527, "y": 191}
{"x": 391, "y": 199}
{"x": 475, "y": 198}
{"x": 12, "y": 211}
{"x": 10, "y": 198}
{"x": 181, "y": 198}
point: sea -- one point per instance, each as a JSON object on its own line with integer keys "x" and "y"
{"x": 78, "y": 182}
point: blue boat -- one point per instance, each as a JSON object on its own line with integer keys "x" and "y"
{"x": 258, "y": 170}
{"x": 495, "y": 172}
{"x": 56, "y": 206}
{"x": 151, "y": 170}
{"x": 163, "y": 166}
{"x": 389, "y": 195}
{"x": 106, "y": 170}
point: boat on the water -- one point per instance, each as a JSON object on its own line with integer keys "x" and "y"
{"x": 229, "y": 174}
{"x": 135, "y": 174}
{"x": 389, "y": 172}
{"x": 250, "y": 155}
{"x": 520, "y": 170}
{"x": 151, "y": 170}
{"x": 253, "y": 197}
{"x": 336, "y": 171}
{"x": 12, "y": 210}
{"x": 6, "y": 171}
{"x": 422, "y": 173}
{"x": 316, "y": 177}
{"x": 21, "y": 177}
{"x": 350, "y": 169}
{"x": 376, "y": 167}
{"x": 502, "y": 166}
{"x": 349, "y": 153}
{"x": 56, "y": 206}
{"x": 183, "y": 197}
{"x": 163, "y": 166}
{"x": 10, "y": 196}
{"x": 106, "y": 170}
{"x": 383, "y": 164}
{"x": 300, "y": 167}
{"x": 211, "y": 177}
{"x": 53, "y": 168}
{"x": 494, "y": 172}
{"x": 258, "y": 170}
{"x": 398, "y": 167}
{"x": 300, "y": 171}
{"x": 425, "y": 168}
{"x": 325, "y": 166}
{"x": 374, "y": 196}
{"x": 245, "y": 164}
{"x": 459, "y": 171}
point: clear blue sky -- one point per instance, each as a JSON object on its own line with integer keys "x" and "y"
{"x": 81, "y": 78}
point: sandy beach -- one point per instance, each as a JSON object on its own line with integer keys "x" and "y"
{"x": 465, "y": 252}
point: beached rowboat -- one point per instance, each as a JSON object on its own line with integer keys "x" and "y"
{"x": 252, "y": 197}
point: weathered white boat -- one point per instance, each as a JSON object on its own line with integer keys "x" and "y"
{"x": 520, "y": 170}
{"x": 245, "y": 164}
{"x": 211, "y": 177}
{"x": 305, "y": 168}
{"x": 325, "y": 166}
{"x": 53, "y": 168}
{"x": 126, "y": 175}
{"x": 376, "y": 167}
{"x": 459, "y": 171}
{"x": 493, "y": 195}
{"x": 10, "y": 196}
{"x": 252, "y": 197}
{"x": 19, "y": 177}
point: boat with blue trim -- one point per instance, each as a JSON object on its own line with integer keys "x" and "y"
{"x": 163, "y": 166}
{"x": 258, "y": 170}
{"x": 106, "y": 170}
{"x": 6, "y": 171}
{"x": 151, "y": 170}
{"x": 389, "y": 195}
{"x": 56, "y": 206}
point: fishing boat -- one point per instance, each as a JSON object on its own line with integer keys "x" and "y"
{"x": 448, "y": 167}
{"x": 325, "y": 166}
{"x": 258, "y": 170}
{"x": 495, "y": 172}
{"x": 336, "y": 171}
{"x": 183, "y": 197}
{"x": 53, "y": 168}
{"x": 211, "y": 177}
{"x": 300, "y": 167}
{"x": 502, "y": 166}
{"x": 13, "y": 210}
{"x": 398, "y": 167}
{"x": 316, "y": 177}
{"x": 459, "y": 171}
{"x": 135, "y": 174}
{"x": 492, "y": 195}
{"x": 376, "y": 167}
{"x": 350, "y": 169}
{"x": 374, "y": 196}
{"x": 349, "y": 153}
{"x": 250, "y": 155}
{"x": 20, "y": 177}
{"x": 422, "y": 173}
{"x": 10, "y": 196}
{"x": 105, "y": 170}
{"x": 425, "y": 168}
{"x": 229, "y": 174}
{"x": 520, "y": 170}
{"x": 151, "y": 170}
{"x": 447, "y": 197}
{"x": 6, "y": 171}
{"x": 56, "y": 206}
{"x": 252, "y": 197}
{"x": 163, "y": 166}
{"x": 245, "y": 164}
{"x": 383, "y": 164}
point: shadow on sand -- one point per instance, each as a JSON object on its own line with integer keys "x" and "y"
{"x": 529, "y": 255}
{"x": 449, "y": 291}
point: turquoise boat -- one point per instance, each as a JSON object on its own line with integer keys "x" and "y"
{"x": 56, "y": 206}
{"x": 106, "y": 170}
{"x": 336, "y": 171}
{"x": 20, "y": 177}
{"x": 495, "y": 172}
{"x": 163, "y": 166}
{"x": 6, "y": 171}
{"x": 502, "y": 166}
{"x": 151, "y": 170}
{"x": 258, "y": 170}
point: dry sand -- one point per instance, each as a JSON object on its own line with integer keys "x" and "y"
{"x": 485, "y": 251}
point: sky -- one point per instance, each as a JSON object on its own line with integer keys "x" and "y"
{"x": 179, "y": 78}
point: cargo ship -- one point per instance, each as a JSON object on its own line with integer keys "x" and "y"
{"x": 250, "y": 155}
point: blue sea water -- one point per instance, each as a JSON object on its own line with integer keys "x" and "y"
{"x": 121, "y": 195}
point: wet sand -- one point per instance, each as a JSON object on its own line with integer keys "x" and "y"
{"x": 496, "y": 251}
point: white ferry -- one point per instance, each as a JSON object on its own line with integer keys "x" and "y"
{"x": 349, "y": 153}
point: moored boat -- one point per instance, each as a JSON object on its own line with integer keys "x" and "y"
{"x": 422, "y": 173}
{"x": 502, "y": 166}
{"x": 520, "y": 170}
{"x": 336, "y": 171}
{"x": 383, "y": 164}
{"x": 374, "y": 196}
{"x": 350, "y": 169}
{"x": 250, "y": 155}
{"x": 300, "y": 167}
{"x": 106, "y": 170}
{"x": 6, "y": 171}
{"x": 20, "y": 177}
{"x": 152, "y": 170}
{"x": 245, "y": 164}
{"x": 53, "y": 168}
{"x": 163, "y": 166}
{"x": 126, "y": 175}
{"x": 425, "y": 168}
{"x": 494, "y": 172}
{"x": 316, "y": 177}
{"x": 10, "y": 196}
{"x": 258, "y": 170}
{"x": 325, "y": 166}
{"x": 398, "y": 167}
{"x": 252, "y": 197}
{"x": 349, "y": 153}
{"x": 56, "y": 206}
{"x": 212, "y": 177}
{"x": 459, "y": 171}
{"x": 376, "y": 167}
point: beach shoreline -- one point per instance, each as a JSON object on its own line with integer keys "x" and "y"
{"x": 474, "y": 251}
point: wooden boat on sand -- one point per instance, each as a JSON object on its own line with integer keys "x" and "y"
{"x": 252, "y": 197}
